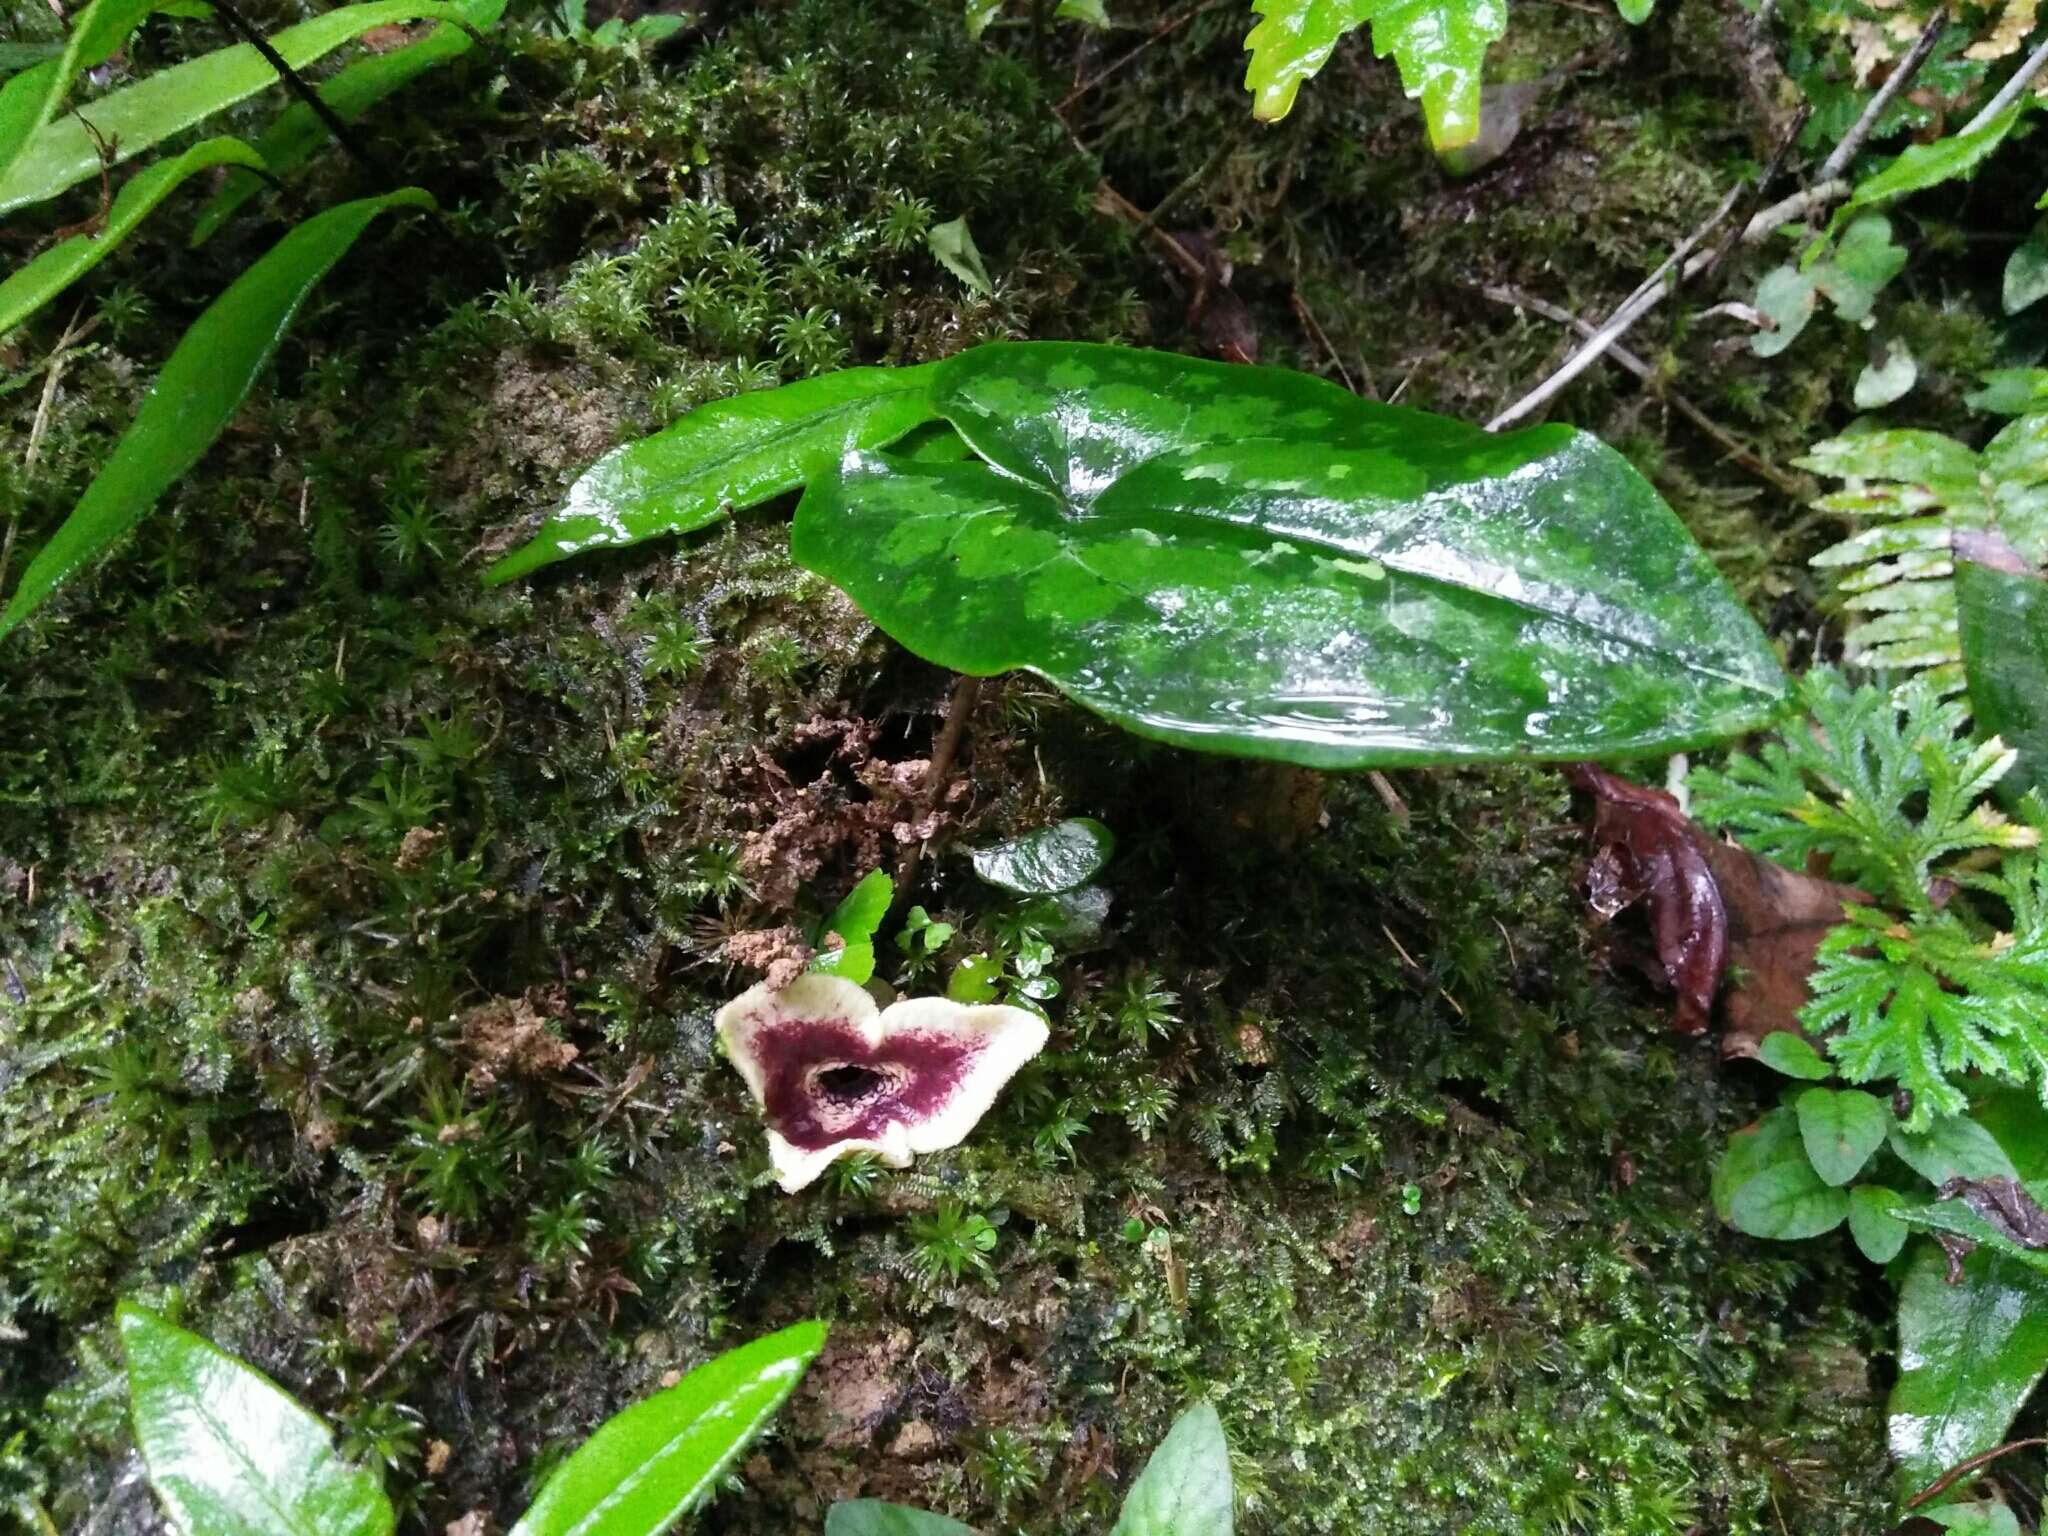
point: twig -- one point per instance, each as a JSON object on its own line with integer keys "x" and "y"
{"x": 1639, "y": 304}
{"x": 1797, "y": 206}
{"x": 1166, "y": 30}
{"x": 1314, "y": 327}
{"x": 1736, "y": 451}
{"x": 408, "y": 1341}
{"x": 1955, "y": 1474}
{"x": 296, "y": 84}
{"x": 1837, "y": 163}
{"x": 965, "y": 693}
{"x": 2010, "y": 91}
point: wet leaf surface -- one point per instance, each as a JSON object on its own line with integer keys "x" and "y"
{"x": 1253, "y": 561}
{"x": 1051, "y": 860}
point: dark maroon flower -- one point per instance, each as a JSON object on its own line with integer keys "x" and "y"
{"x": 835, "y": 1075}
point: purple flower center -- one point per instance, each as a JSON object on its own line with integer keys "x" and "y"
{"x": 823, "y": 1083}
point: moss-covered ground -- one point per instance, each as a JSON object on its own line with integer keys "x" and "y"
{"x": 315, "y": 854}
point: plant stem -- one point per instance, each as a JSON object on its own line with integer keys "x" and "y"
{"x": 296, "y": 84}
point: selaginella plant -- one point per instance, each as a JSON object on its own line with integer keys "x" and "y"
{"x": 230, "y": 1453}
{"x": 1230, "y": 558}
{"x": 1922, "y": 1109}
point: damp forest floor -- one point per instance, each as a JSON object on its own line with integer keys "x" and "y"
{"x": 361, "y": 928}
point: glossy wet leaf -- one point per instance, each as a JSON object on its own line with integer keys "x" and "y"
{"x": 2002, "y": 622}
{"x": 647, "y": 1466}
{"x": 1052, "y": 859}
{"x": 726, "y": 455}
{"x": 31, "y": 98}
{"x": 33, "y": 285}
{"x": 1841, "y": 1127}
{"x": 65, "y": 151}
{"x": 230, "y": 1453}
{"x": 1185, "y": 1489}
{"x": 1874, "y": 1222}
{"x": 297, "y": 134}
{"x": 855, "y": 920}
{"x": 872, "y": 1517}
{"x": 206, "y": 379}
{"x": 1254, "y": 561}
{"x": 1969, "y": 1355}
{"x": 1920, "y": 166}
{"x": 1792, "y": 1054}
{"x": 1438, "y": 45}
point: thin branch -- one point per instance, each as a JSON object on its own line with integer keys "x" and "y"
{"x": 2010, "y": 91}
{"x": 966, "y": 693}
{"x": 1797, "y": 206}
{"x": 1837, "y": 163}
{"x": 1732, "y": 446}
{"x": 1955, "y": 1474}
{"x": 1165, "y": 30}
{"x": 296, "y": 84}
{"x": 1640, "y": 303}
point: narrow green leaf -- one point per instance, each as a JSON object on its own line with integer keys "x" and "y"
{"x": 1840, "y": 1129}
{"x": 647, "y": 1466}
{"x": 2002, "y": 619}
{"x": 1969, "y": 1354}
{"x": 1920, "y": 166}
{"x": 871, "y": 1517}
{"x": 30, "y": 99}
{"x": 1249, "y": 560}
{"x": 1789, "y": 1053}
{"x": 1052, "y": 859}
{"x": 298, "y": 134}
{"x": 49, "y": 274}
{"x": 952, "y": 243}
{"x": 1874, "y": 1222}
{"x": 208, "y": 376}
{"x": 725, "y": 456}
{"x": 228, "y": 1452}
{"x": 1438, "y": 45}
{"x": 65, "y": 151}
{"x": 1185, "y": 1489}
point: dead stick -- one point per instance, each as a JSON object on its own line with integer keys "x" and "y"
{"x": 1166, "y": 30}
{"x": 1837, "y": 163}
{"x": 1728, "y": 443}
{"x": 965, "y": 693}
{"x": 1955, "y": 1474}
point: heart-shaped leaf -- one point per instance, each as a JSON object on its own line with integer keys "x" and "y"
{"x": 1251, "y": 560}
{"x": 229, "y": 1452}
{"x": 1969, "y": 1355}
{"x": 1875, "y": 1224}
{"x": 1792, "y": 1054}
{"x": 1787, "y": 1202}
{"x": 1771, "y": 1142}
{"x": 1052, "y": 859}
{"x": 1841, "y": 1128}
{"x": 208, "y": 375}
{"x": 647, "y": 1466}
{"x": 1185, "y": 1489}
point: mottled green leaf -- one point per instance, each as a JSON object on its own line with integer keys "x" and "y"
{"x": 1874, "y": 1222}
{"x": 724, "y": 456}
{"x": 32, "y": 286}
{"x": 1052, "y": 859}
{"x": 1840, "y": 1127}
{"x": 1185, "y": 1489}
{"x": 1969, "y": 1354}
{"x": 230, "y": 1453}
{"x": 1439, "y": 46}
{"x": 2002, "y": 619}
{"x": 66, "y": 150}
{"x": 207, "y": 377}
{"x": 872, "y": 1517}
{"x": 1789, "y": 1053}
{"x": 2026, "y": 271}
{"x": 647, "y": 1466}
{"x": 952, "y": 243}
{"x": 298, "y": 134}
{"x": 1250, "y": 560}
{"x": 1882, "y": 382}
{"x": 1920, "y": 166}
